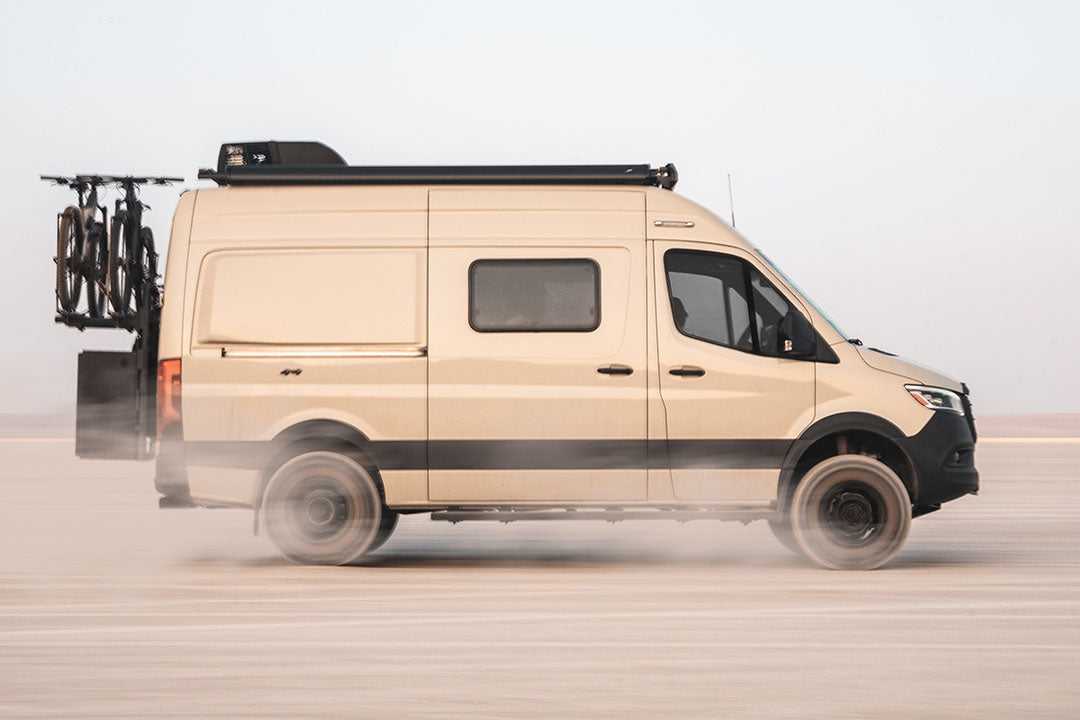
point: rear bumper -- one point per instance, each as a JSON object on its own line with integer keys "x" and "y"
{"x": 170, "y": 476}
{"x": 943, "y": 456}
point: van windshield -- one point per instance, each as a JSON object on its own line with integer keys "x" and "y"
{"x": 805, "y": 297}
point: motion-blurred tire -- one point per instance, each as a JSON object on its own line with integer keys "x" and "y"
{"x": 850, "y": 512}
{"x": 386, "y": 529}
{"x": 323, "y": 508}
{"x": 781, "y": 530}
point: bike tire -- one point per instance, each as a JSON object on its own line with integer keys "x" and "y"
{"x": 69, "y": 244}
{"x": 120, "y": 265}
{"x": 96, "y": 269}
{"x": 150, "y": 256}
{"x": 146, "y": 271}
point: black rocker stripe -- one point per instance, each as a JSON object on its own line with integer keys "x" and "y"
{"x": 524, "y": 454}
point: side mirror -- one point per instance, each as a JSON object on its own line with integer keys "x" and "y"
{"x": 796, "y": 338}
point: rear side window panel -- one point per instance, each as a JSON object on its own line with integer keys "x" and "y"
{"x": 534, "y": 295}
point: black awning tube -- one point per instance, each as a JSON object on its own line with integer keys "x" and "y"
{"x": 664, "y": 177}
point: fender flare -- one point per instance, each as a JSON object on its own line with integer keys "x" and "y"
{"x": 841, "y": 422}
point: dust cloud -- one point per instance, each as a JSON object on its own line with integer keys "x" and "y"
{"x": 111, "y": 607}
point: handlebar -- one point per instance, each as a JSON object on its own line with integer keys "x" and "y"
{"x": 108, "y": 179}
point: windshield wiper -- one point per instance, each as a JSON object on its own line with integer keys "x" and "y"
{"x": 855, "y": 341}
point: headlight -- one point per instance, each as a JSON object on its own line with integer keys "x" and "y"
{"x": 936, "y": 398}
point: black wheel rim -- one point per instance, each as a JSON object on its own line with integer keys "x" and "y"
{"x": 319, "y": 510}
{"x": 853, "y": 514}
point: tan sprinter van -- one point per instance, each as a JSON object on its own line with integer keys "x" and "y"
{"x": 340, "y": 345}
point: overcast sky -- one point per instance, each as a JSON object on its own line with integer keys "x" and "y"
{"x": 914, "y": 166}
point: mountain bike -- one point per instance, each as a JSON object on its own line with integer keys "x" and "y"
{"x": 81, "y": 247}
{"x": 132, "y": 263}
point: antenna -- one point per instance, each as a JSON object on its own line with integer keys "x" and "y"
{"x": 731, "y": 199}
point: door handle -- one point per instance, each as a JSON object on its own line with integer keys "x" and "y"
{"x": 687, "y": 371}
{"x": 615, "y": 370}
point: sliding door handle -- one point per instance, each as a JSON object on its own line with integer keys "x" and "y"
{"x": 615, "y": 370}
{"x": 687, "y": 371}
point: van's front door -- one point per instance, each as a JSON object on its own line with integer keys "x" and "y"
{"x": 733, "y": 404}
{"x": 537, "y": 362}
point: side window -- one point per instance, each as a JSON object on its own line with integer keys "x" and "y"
{"x": 534, "y": 295}
{"x": 708, "y": 298}
{"x": 725, "y": 301}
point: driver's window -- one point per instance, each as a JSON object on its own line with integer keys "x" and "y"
{"x": 709, "y": 299}
{"x": 710, "y": 302}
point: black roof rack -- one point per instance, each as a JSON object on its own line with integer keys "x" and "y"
{"x": 304, "y": 163}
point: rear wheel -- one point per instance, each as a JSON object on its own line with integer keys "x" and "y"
{"x": 148, "y": 271}
{"x": 96, "y": 266}
{"x": 69, "y": 245}
{"x": 851, "y": 512}
{"x": 323, "y": 508}
{"x": 121, "y": 264}
{"x": 386, "y": 529}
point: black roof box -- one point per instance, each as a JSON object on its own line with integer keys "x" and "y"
{"x": 274, "y": 152}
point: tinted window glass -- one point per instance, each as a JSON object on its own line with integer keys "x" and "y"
{"x": 708, "y": 298}
{"x": 770, "y": 307}
{"x": 534, "y": 295}
{"x": 710, "y": 301}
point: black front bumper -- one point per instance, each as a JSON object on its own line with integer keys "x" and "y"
{"x": 943, "y": 457}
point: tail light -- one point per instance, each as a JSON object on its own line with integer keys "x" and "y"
{"x": 168, "y": 394}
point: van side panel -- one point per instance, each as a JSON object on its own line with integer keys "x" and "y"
{"x": 528, "y": 416}
{"x": 303, "y": 304}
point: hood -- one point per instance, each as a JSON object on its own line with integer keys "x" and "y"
{"x": 887, "y": 362}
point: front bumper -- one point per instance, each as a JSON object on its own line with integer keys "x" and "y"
{"x": 943, "y": 456}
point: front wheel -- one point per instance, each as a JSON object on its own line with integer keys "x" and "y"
{"x": 851, "y": 512}
{"x": 781, "y": 530}
{"x": 323, "y": 508}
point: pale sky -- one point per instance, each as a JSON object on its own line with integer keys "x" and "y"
{"x": 914, "y": 166}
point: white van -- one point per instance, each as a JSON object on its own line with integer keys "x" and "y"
{"x": 340, "y": 345}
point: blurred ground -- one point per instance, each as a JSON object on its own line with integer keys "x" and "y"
{"x": 112, "y": 608}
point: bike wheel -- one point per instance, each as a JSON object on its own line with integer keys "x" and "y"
{"x": 69, "y": 244}
{"x": 120, "y": 265}
{"x": 146, "y": 235}
{"x": 144, "y": 272}
{"x": 96, "y": 269}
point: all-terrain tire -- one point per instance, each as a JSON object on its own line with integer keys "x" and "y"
{"x": 851, "y": 512}
{"x": 323, "y": 508}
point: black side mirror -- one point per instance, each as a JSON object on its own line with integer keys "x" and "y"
{"x": 796, "y": 338}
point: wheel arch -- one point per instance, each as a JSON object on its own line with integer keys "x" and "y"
{"x": 309, "y": 436}
{"x": 852, "y": 432}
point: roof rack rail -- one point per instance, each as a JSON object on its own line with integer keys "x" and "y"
{"x": 664, "y": 177}
{"x": 312, "y": 163}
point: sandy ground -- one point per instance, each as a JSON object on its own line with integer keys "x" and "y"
{"x": 112, "y": 608}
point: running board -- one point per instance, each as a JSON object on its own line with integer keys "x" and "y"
{"x": 745, "y": 514}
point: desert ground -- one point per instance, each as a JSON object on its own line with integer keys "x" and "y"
{"x": 111, "y": 608}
